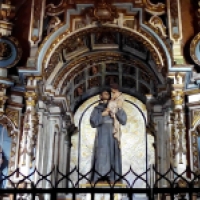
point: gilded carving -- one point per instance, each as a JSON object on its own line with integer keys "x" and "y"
{"x": 177, "y": 97}
{"x": 53, "y": 10}
{"x": 13, "y": 115}
{"x": 7, "y": 12}
{"x": 156, "y": 51}
{"x": 157, "y": 9}
{"x": 102, "y": 12}
{"x": 194, "y": 146}
{"x": 32, "y": 95}
{"x": 5, "y": 51}
{"x": 196, "y": 117}
{"x": 157, "y": 22}
{"x": 6, "y": 44}
{"x": 195, "y": 44}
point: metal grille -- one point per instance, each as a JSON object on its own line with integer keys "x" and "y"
{"x": 168, "y": 185}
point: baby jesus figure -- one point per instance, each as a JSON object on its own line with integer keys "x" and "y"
{"x": 114, "y": 105}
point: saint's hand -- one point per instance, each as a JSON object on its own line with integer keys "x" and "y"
{"x": 105, "y": 113}
{"x": 112, "y": 114}
{"x": 107, "y": 110}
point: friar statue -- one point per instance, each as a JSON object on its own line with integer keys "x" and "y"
{"x": 107, "y": 152}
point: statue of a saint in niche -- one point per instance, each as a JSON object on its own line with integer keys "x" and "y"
{"x": 107, "y": 151}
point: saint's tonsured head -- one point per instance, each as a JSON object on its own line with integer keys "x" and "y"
{"x": 104, "y": 95}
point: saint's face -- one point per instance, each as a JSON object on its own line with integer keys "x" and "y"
{"x": 105, "y": 95}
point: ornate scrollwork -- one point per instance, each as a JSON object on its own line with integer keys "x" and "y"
{"x": 53, "y": 10}
{"x": 157, "y": 22}
{"x": 157, "y": 9}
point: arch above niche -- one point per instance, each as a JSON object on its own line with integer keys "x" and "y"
{"x": 108, "y": 37}
{"x": 134, "y": 76}
{"x": 133, "y": 138}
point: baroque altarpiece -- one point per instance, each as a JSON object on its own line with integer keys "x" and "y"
{"x": 55, "y": 58}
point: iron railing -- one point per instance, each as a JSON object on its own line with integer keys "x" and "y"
{"x": 54, "y": 185}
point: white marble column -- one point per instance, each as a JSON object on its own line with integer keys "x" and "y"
{"x": 30, "y": 128}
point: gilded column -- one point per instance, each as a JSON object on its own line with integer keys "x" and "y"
{"x": 178, "y": 131}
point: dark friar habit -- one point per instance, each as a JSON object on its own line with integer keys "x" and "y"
{"x": 107, "y": 154}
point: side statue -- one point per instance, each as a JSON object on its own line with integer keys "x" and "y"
{"x": 107, "y": 118}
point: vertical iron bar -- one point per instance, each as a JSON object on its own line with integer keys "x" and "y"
{"x": 53, "y": 194}
{"x": 190, "y": 194}
{"x": 172, "y": 196}
{"x": 33, "y": 195}
{"x": 15, "y": 196}
{"x": 130, "y": 194}
{"x": 111, "y": 196}
{"x": 92, "y": 195}
{"x": 73, "y": 196}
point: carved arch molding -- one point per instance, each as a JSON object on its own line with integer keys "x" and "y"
{"x": 116, "y": 53}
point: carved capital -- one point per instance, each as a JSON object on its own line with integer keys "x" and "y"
{"x": 31, "y": 96}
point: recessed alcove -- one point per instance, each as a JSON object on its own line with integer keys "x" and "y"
{"x": 137, "y": 150}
